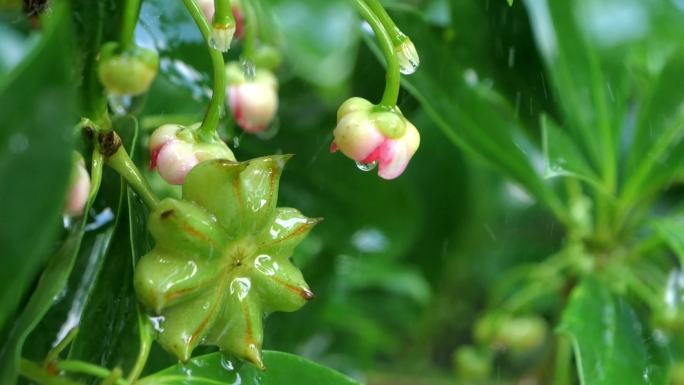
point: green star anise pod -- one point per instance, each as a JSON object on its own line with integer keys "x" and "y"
{"x": 221, "y": 259}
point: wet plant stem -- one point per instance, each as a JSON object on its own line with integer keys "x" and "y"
{"x": 251, "y": 30}
{"x": 109, "y": 145}
{"x": 208, "y": 128}
{"x": 562, "y": 373}
{"x": 223, "y": 15}
{"x": 53, "y": 354}
{"x": 394, "y": 32}
{"x": 130, "y": 19}
{"x": 89, "y": 369}
{"x": 393, "y": 76}
{"x": 146, "y": 339}
{"x": 40, "y": 375}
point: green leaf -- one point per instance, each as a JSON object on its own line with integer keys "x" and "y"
{"x": 470, "y": 113}
{"x": 37, "y": 109}
{"x": 214, "y": 369}
{"x": 563, "y": 158}
{"x": 671, "y": 230}
{"x": 109, "y": 315}
{"x": 611, "y": 343}
{"x": 656, "y": 153}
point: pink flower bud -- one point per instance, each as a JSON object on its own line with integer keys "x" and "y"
{"x": 175, "y": 160}
{"x": 207, "y": 7}
{"x": 174, "y": 150}
{"x": 383, "y": 137}
{"x": 78, "y": 190}
{"x": 253, "y": 102}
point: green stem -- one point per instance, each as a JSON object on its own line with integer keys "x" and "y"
{"x": 53, "y": 354}
{"x": 394, "y": 32}
{"x": 122, "y": 163}
{"x": 211, "y": 118}
{"x": 562, "y": 373}
{"x": 146, "y": 339}
{"x": 40, "y": 375}
{"x": 393, "y": 76}
{"x": 95, "y": 174}
{"x": 130, "y": 19}
{"x": 89, "y": 369}
{"x": 223, "y": 14}
{"x": 251, "y": 30}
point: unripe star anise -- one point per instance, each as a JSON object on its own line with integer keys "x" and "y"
{"x": 221, "y": 259}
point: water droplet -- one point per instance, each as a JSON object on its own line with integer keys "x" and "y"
{"x": 157, "y": 323}
{"x": 227, "y": 364}
{"x": 120, "y": 104}
{"x": 236, "y": 141}
{"x": 408, "y": 67}
{"x": 366, "y": 166}
{"x": 250, "y": 69}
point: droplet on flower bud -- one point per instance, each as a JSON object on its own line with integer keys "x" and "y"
{"x": 407, "y": 56}
{"x": 221, "y": 36}
{"x": 253, "y": 102}
{"x": 384, "y": 138}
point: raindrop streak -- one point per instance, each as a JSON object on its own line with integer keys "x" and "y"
{"x": 249, "y": 68}
{"x": 236, "y": 141}
{"x": 366, "y": 166}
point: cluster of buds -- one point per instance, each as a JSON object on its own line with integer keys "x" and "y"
{"x": 175, "y": 150}
{"x": 372, "y": 134}
{"x": 252, "y": 98}
{"x": 79, "y": 188}
{"x": 127, "y": 72}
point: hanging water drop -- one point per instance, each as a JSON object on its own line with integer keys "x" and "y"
{"x": 249, "y": 68}
{"x": 365, "y": 167}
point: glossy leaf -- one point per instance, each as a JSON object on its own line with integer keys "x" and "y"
{"x": 108, "y": 311}
{"x": 671, "y": 230}
{"x": 470, "y": 113}
{"x": 563, "y": 158}
{"x": 214, "y": 369}
{"x": 38, "y": 113}
{"x": 611, "y": 343}
{"x": 657, "y": 147}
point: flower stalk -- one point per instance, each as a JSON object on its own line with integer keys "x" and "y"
{"x": 213, "y": 114}
{"x": 392, "y": 77}
{"x": 130, "y": 19}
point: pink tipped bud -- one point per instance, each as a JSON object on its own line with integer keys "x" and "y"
{"x": 78, "y": 190}
{"x": 382, "y": 137}
{"x": 175, "y": 150}
{"x": 207, "y": 7}
{"x": 175, "y": 160}
{"x": 253, "y": 102}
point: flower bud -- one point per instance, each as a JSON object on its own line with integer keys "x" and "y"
{"x": 407, "y": 56}
{"x": 253, "y": 102}
{"x": 221, "y": 36}
{"x": 207, "y": 7}
{"x": 128, "y": 72}
{"x": 368, "y": 136}
{"x": 472, "y": 364}
{"x": 174, "y": 150}
{"x": 79, "y": 188}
